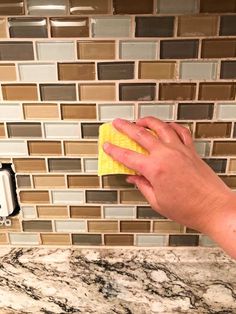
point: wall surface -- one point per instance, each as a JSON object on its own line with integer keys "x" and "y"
{"x": 66, "y": 67}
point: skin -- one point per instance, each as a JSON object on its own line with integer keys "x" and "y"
{"x": 176, "y": 181}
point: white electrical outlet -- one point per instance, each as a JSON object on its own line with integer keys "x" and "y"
{"x": 7, "y": 194}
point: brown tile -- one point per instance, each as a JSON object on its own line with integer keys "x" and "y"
{"x": 85, "y": 212}
{"x": 154, "y": 26}
{"x": 58, "y": 92}
{"x": 85, "y": 7}
{"x": 227, "y": 25}
{"x": 37, "y": 225}
{"x": 230, "y": 181}
{"x": 40, "y": 111}
{"x": 3, "y": 238}
{"x": 183, "y": 240}
{"x": 15, "y": 225}
{"x": 191, "y": 26}
{"x": 55, "y": 239}
{"x": 224, "y": 148}
{"x": 146, "y": 212}
{"x": 2, "y": 130}
{"x": 217, "y": 165}
{"x": 3, "y": 28}
{"x": 228, "y": 70}
{"x": 21, "y": 50}
{"x": 29, "y": 165}
{"x": 217, "y": 91}
{"x": 95, "y": 92}
{"x": 86, "y": 181}
{"x": 218, "y": 48}
{"x": 157, "y": 70}
{"x": 19, "y": 92}
{"x": 135, "y": 226}
{"x": 189, "y": 230}
{"x": 86, "y": 239}
{"x": 7, "y": 72}
{"x": 217, "y": 6}
{"x": 109, "y": 197}
{"x": 78, "y": 112}
{"x": 44, "y": 148}
{"x": 81, "y": 148}
{"x": 199, "y": 111}
{"x": 92, "y": 50}
{"x": 217, "y": 129}
{"x": 103, "y": 226}
{"x": 116, "y": 70}
{"x": 119, "y": 239}
{"x": 64, "y": 165}
{"x": 12, "y": 7}
{"x": 137, "y": 91}
{"x": 28, "y": 27}
{"x": 76, "y": 71}
{"x": 132, "y": 196}
{"x": 177, "y": 91}
{"x": 52, "y": 211}
{"x": 133, "y": 7}
{"x": 34, "y": 196}
{"x": 69, "y": 27}
{"x": 90, "y": 130}
{"x": 179, "y": 49}
{"x": 167, "y": 227}
{"x": 24, "y": 129}
{"x": 23, "y": 181}
{"x": 115, "y": 181}
{"x": 49, "y": 181}
{"x": 232, "y": 165}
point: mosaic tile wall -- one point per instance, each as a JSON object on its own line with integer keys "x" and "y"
{"x": 66, "y": 67}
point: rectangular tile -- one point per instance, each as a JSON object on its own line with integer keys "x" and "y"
{"x": 41, "y": 7}
{"x": 192, "y": 26}
{"x": 85, "y": 181}
{"x": 76, "y": 71}
{"x": 184, "y": 240}
{"x": 224, "y": 148}
{"x": 117, "y": 212}
{"x": 61, "y": 130}
{"x": 228, "y": 70}
{"x": 217, "y": 165}
{"x": 198, "y": 70}
{"x": 67, "y": 197}
{"x": 177, "y": 7}
{"x": 18, "y": 129}
{"x": 37, "y": 225}
{"x": 197, "y": 111}
{"x": 52, "y": 211}
{"x": 101, "y": 196}
{"x": 2, "y": 130}
{"x": 14, "y": 226}
{"x": 24, "y": 238}
{"x": 40, "y": 111}
{"x": 161, "y": 111}
{"x": 35, "y": 72}
{"x": 69, "y": 27}
{"x": 151, "y": 240}
{"x": 116, "y": 70}
{"x": 230, "y": 181}
{"x": 218, "y": 48}
{"x": 29, "y": 165}
{"x": 135, "y": 226}
{"x": 58, "y": 92}
{"x": 103, "y": 226}
{"x": 111, "y": 27}
{"x": 109, "y": 112}
{"x": 7, "y": 72}
{"x": 10, "y": 112}
{"x": 12, "y": 7}
{"x": 12, "y": 148}
{"x": 119, "y": 239}
{"x": 227, "y": 25}
{"x": 16, "y": 50}
{"x": 44, "y": 148}
{"x": 154, "y": 26}
{"x": 137, "y": 7}
{"x": 226, "y": 111}
{"x": 92, "y": 50}
{"x": 216, "y": 129}
{"x": 95, "y": 92}
{"x": 217, "y": 6}
{"x": 146, "y": 212}
{"x": 64, "y": 165}
{"x": 55, "y": 50}
{"x": 132, "y": 196}
{"x": 115, "y": 181}
{"x": 137, "y": 91}
{"x": 179, "y": 49}
{"x": 157, "y": 70}
{"x": 34, "y": 197}
{"x": 232, "y": 165}
{"x": 90, "y": 130}
{"x": 3, "y": 28}
{"x": 84, "y": 7}
{"x": 167, "y": 227}
{"x": 85, "y": 212}
{"x": 90, "y": 165}
{"x": 217, "y": 91}
{"x": 202, "y": 148}
{"x": 86, "y": 239}
{"x": 80, "y": 148}
{"x": 78, "y": 112}
{"x": 177, "y": 91}
{"x": 55, "y": 239}
{"x": 19, "y": 92}
{"x": 27, "y": 27}
{"x": 136, "y": 50}
{"x": 70, "y": 226}
{"x": 23, "y": 181}
{"x": 49, "y": 181}
{"x": 206, "y": 241}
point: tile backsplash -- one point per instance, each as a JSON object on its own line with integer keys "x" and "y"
{"x": 66, "y": 67}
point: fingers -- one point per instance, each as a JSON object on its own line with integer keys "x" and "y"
{"x": 183, "y": 133}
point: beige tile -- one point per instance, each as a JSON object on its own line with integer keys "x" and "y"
{"x": 3, "y": 238}
{"x": 44, "y": 148}
{"x": 15, "y": 225}
{"x": 92, "y": 50}
{"x": 78, "y": 112}
{"x": 49, "y": 181}
{"x": 119, "y": 239}
{"x": 2, "y": 130}
{"x": 86, "y": 181}
{"x": 232, "y": 165}
{"x": 80, "y": 148}
{"x": 34, "y": 196}
{"x": 190, "y": 26}
{"x": 157, "y": 70}
{"x": 85, "y": 212}
{"x": 29, "y": 165}
{"x": 132, "y": 196}
{"x": 40, "y": 111}
{"x": 7, "y": 72}
{"x": 55, "y": 239}
{"x": 135, "y": 226}
{"x": 97, "y": 92}
{"x": 76, "y": 71}
{"x": 3, "y": 28}
{"x": 20, "y": 92}
{"x": 167, "y": 227}
{"x": 52, "y": 211}
{"x": 103, "y": 226}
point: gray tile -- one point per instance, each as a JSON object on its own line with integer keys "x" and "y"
{"x": 21, "y": 50}
{"x": 138, "y": 50}
{"x": 28, "y": 27}
{"x": 42, "y": 7}
{"x": 55, "y": 50}
{"x": 108, "y": 112}
{"x": 111, "y": 27}
{"x": 161, "y": 111}
{"x": 58, "y": 91}
{"x": 151, "y": 240}
{"x": 137, "y": 91}
{"x": 37, "y": 225}
{"x": 64, "y": 165}
{"x": 154, "y": 26}
{"x": 101, "y": 196}
{"x": 115, "y": 70}
{"x": 198, "y": 70}
{"x": 177, "y": 6}
{"x": 24, "y": 129}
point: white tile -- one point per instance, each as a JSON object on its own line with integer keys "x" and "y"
{"x": 151, "y": 240}
{"x": 177, "y": 6}
{"x": 70, "y": 226}
{"x": 161, "y": 111}
{"x": 202, "y": 148}
{"x": 67, "y": 197}
{"x": 111, "y": 111}
{"x": 61, "y": 50}
{"x": 10, "y": 112}
{"x": 46, "y": 72}
{"x": 24, "y": 238}
{"x": 119, "y": 212}
{"x": 226, "y": 111}
{"x": 12, "y": 148}
{"x": 138, "y": 50}
{"x": 43, "y": 7}
{"x": 111, "y": 26}
{"x": 198, "y": 70}
{"x": 28, "y": 212}
{"x": 90, "y": 165}
{"x": 62, "y": 130}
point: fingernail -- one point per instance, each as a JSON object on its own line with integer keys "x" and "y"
{"x": 105, "y": 145}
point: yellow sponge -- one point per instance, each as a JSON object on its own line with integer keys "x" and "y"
{"x": 106, "y": 164}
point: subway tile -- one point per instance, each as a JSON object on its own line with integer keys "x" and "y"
{"x": 16, "y": 50}
{"x": 202, "y": 148}
{"x": 224, "y": 148}
{"x": 85, "y": 7}
{"x": 90, "y": 130}
{"x": 23, "y": 181}
{"x": 226, "y": 111}
{"x": 217, "y": 91}
{"x": 179, "y": 49}
{"x": 192, "y": 26}
{"x": 52, "y": 211}
{"x": 101, "y": 196}
{"x": 15, "y": 225}
{"x": 78, "y": 112}
{"x": 85, "y": 212}
{"x": 86, "y": 239}
{"x": 12, "y": 7}
{"x": 161, "y": 111}
{"x": 29, "y": 212}
{"x": 85, "y": 181}
{"x": 40, "y": 111}
{"x": 61, "y": 130}
{"x": 216, "y": 129}
{"x": 232, "y": 165}
{"x": 44, "y": 148}
{"x": 206, "y": 241}
{"x": 70, "y": 226}
{"x": 96, "y": 92}
{"x": 230, "y": 181}
{"x": 24, "y": 238}
{"x": 37, "y": 225}
{"x": 138, "y": 50}
{"x": 55, "y": 239}
{"x": 132, "y": 196}
{"x": 117, "y": 212}
{"x": 2, "y": 130}
{"x": 119, "y": 239}
{"x": 133, "y": 7}
{"x": 154, "y": 26}
{"x": 42, "y": 7}
{"x": 177, "y": 91}
{"x": 198, "y": 70}
{"x": 116, "y": 71}
{"x": 167, "y": 227}
{"x": 81, "y": 148}
{"x": 3, "y": 28}
{"x": 37, "y": 72}
{"x": 108, "y": 112}
{"x": 135, "y": 226}
{"x": 19, "y": 92}
{"x": 103, "y": 226}
{"x": 69, "y": 27}
{"x": 92, "y": 50}
{"x": 234, "y": 129}
{"x": 227, "y": 25}
{"x": 64, "y": 165}
{"x": 218, "y": 48}
{"x": 146, "y": 212}
{"x": 177, "y": 7}
{"x": 190, "y": 230}
{"x": 157, "y": 70}
{"x": 76, "y": 71}
{"x": 58, "y": 92}
{"x": 55, "y": 50}
{"x": 90, "y": 165}
{"x": 137, "y": 91}
{"x": 115, "y": 181}
{"x": 228, "y": 70}
{"x": 184, "y": 240}
{"x": 151, "y": 240}
{"x": 27, "y": 27}
{"x": 217, "y": 6}
{"x": 195, "y": 111}
{"x": 18, "y": 129}
{"x": 11, "y": 112}
{"x": 34, "y": 197}
{"x": 7, "y": 72}
{"x": 29, "y": 165}
{"x": 111, "y": 27}
{"x": 217, "y": 165}
{"x": 67, "y": 197}
{"x": 12, "y": 148}
{"x": 49, "y": 181}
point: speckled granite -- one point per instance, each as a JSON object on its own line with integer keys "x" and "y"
{"x": 122, "y": 281}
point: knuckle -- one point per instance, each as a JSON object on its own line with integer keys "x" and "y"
{"x": 140, "y": 132}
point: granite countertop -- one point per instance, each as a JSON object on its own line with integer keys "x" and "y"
{"x": 116, "y": 280}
